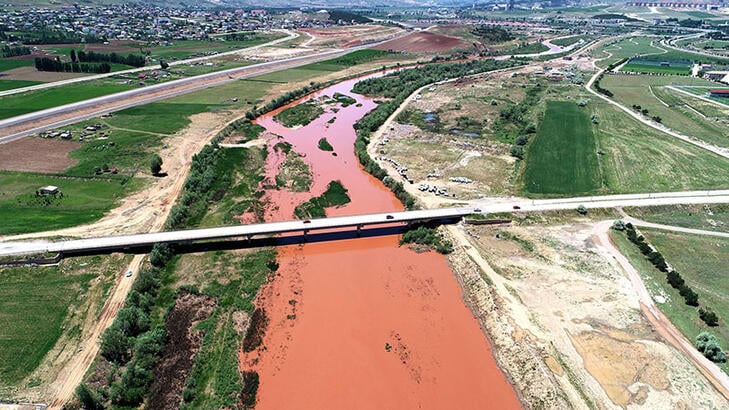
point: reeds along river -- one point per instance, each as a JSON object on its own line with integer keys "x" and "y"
{"x": 364, "y": 323}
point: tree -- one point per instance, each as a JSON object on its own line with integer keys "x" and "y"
{"x": 619, "y": 225}
{"x": 708, "y": 344}
{"x": 690, "y": 297}
{"x": 88, "y": 398}
{"x": 73, "y": 56}
{"x": 582, "y": 210}
{"x": 517, "y": 151}
{"x": 161, "y": 254}
{"x": 708, "y": 316}
{"x": 163, "y": 64}
{"x": 155, "y": 165}
{"x": 115, "y": 345}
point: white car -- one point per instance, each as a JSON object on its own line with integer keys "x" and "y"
{"x": 129, "y": 273}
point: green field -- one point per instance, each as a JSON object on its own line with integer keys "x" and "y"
{"x": 11, "y": 84}
{"x": 653, "y": 69}
{"x": 681, "y": 115}
{"x": 701, "y": 261}
{"x": 33, "y": 305}
{"x": 640, "y": 159}
{"x": 19, "y": 104}
{"x": 8, "y": 64}
{"x": 568, "y": 41}
{"x": 299, "y": 115}
{"x": 626, "y": 48}
{"x": 84, "y": 200}
{"x": 710, "y": 217}
{"x": 562, "y": 158}
{"x": 183, "y": 49}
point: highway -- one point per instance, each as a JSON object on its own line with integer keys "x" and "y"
{"x": 27, "y": 124}
{"x": 484, "y": 206}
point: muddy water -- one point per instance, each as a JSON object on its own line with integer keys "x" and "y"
{"x": 364, "y": 323}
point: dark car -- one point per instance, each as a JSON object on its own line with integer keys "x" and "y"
{"x": 389, "y": 217}
{"x": 516, "y": 207}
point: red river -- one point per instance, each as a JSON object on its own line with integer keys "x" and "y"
{"x": 363, "y": 323}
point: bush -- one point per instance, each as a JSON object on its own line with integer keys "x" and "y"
{"x": 707, "y": 344}
{"x": 517, "y": 151}
{"x": 89, "y": 400}
{"x": 709, "y": 317}
{"x": 155, "y": 164}
{"x": 618, "y": 225}
{"x": 161, "y": 254}
{"x": 674, "y": 279}
{"x": 115, "y": 345}
{"x": 689, "y": 296}
{"x": 582, "y": 210}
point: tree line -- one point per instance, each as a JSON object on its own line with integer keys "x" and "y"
{"x": 56, "y": 65}
{"x": 134, "y": 60}
{"x": 8, "y": 51}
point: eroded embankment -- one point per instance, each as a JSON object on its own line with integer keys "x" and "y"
{"x": 363, "y": 323}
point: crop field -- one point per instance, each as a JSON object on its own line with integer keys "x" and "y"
{"x": 183, "y": 49}
{"x": 683, "y": 113}
{"x": 701, "y": 261}
{"x": 651, "y": 66}
{"x": 562, "y": 158}
{"x": 34, "y": 305}
{"x": 704, "y": 90}
{"x": 709, "y": 217}
{"x": 9, "y": 64}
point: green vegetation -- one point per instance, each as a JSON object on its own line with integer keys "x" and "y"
{"x": 344, "y": 100}
{"x": 12, "y": 84}
{"x": 9, "y": 64}
{"x": 182, "y": 49}
{"x": 324, "y": 145}
{"x": 335, "y": 195}
{"x": 336, "y": 15}
{"x": 18, "y": 104}
{"x": 677, "y": 111}
{"x": 299, "y": 115}
{"x": 710, "y": 217}
{"x": 568, "y": 41}
{"x": 514, "y": 119}
{"x": 701, "y": 261}
{"x": 638, "y": 67}
{"x": 83, "y": 200}
{"x": 613, "y": 16}
{"x": 492, "y": 34}
{"x": 295, "y": 174}
{"x": 425, "y": 235}
{"x": 33, "y": 305}
{"x": 562, "y": 159}
{"x": 625, "y": 48}
{"x": 525, "y": 48}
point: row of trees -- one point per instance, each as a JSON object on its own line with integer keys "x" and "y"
{"x": 56, "y": 65}
{"x": 134, "y": 60}
{"x": 8, "y": 51}
{"x": 674, "y": 279}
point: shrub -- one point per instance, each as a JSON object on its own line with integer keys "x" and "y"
{"x": 88, "y": 398}
{"x": 582, "y": 210}
{"x": 517, "y": 151}
{"x": 521, "y": 140}
{"x": 155, "y": 164}
{"x": 709, "y": 317}
{"x": 618, "y": 225}
{"x": 115, "y": 345}
{"x": 707, "y": 344}
{"x": 161, "y": 254}
{"x": 690, "y": 297}
{"x": 674, "y": 279}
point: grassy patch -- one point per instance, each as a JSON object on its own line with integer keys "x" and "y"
{"x": 335, "y": 195}
{"x": 701, "y": 260}
{"x": 654, "y": 69}
{"x": 295, "y": 174}
{"x": 13, "y": 105}
{"x": 568, "y": 41}
{"x": 83, "y": 201}
{"x": 12, "y": 84}
{"x": 710, "y": 217}
{"x": 33, "y": 305}
{"x": 9, "y": 64}
{"x": 299, "y": 115}
{"x": 562, "y": 159}
{"x": 344, "y": 100}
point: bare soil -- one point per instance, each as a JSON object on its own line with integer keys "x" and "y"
{"x": 422, "y": 42}
{"x": 184, "y": 342}
{"x": 350, "y": 35}
{"x": 37, "y": 155}
{"x": 114, "y": 46}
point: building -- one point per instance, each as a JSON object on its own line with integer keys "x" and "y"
{"x": 719, "y": 93}
{"x": 47, "y": 190}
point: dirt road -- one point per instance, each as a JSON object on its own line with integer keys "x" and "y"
{"x": 660, "y": 322}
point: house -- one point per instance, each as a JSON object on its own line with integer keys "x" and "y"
{"x": 47, "y": 190}
{"x": 719, "y": 93}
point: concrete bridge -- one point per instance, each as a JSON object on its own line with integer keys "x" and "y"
{"x": 128, "y": 242}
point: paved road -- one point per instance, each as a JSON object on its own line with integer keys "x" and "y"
{"x": 479, "y": 206}
{"x": 289, "y": 36}
{"x": 27, "y": 123}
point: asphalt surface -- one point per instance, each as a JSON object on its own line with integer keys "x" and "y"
{"x": 484, "y": 206}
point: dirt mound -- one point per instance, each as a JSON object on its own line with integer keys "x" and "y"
{"x": 179, "y": 353}
{"x": 422, "y": 42}
{"x": 37, "y": 155}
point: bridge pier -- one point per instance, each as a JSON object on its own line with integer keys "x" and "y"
{"x": 306, "y": 231}
{"x": 359, "y": 231}
{"x": 250, "y": 237}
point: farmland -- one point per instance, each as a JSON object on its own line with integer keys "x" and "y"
{"x": 650, "y": 66}
{"x": 560, "y": 162}
{"x": 39, "y": 306}
{"x": 626, "y": 48}
{"x": 182, "y": 49}
{"x": 701, "y": 261}
{"x": 682, "y": 113}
